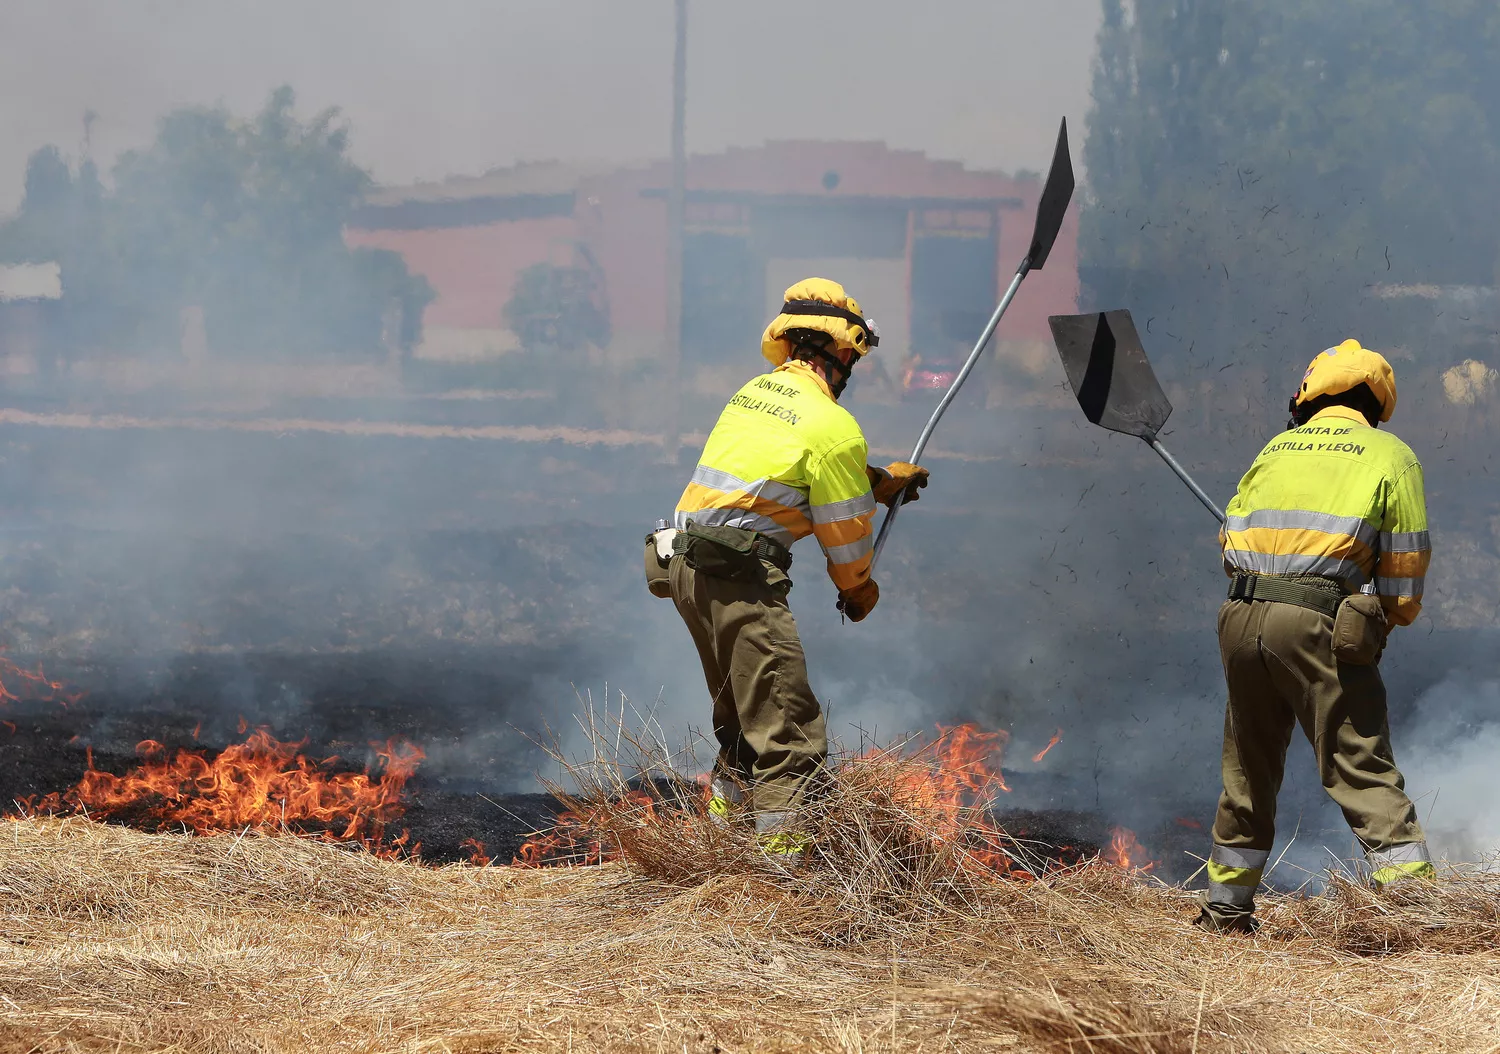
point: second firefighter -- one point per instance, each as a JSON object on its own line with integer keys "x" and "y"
{"x": 1326, "y": 547}
{"x": 785, "y": 460}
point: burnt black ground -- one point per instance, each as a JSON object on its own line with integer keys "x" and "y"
{"x": 330, "y": 701}
{"x": 350, "y": 588}
{"x": 439, "y": 700}
{"x": 343, "y": 705}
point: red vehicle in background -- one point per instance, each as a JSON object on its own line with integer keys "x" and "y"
{"x": 920, "y": 377}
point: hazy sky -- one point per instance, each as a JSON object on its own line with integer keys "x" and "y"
{"x": 456, "y": 86}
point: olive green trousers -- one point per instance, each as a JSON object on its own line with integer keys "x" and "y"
{"x": 1281, "y": 672}
{"x": 771, "y": 732}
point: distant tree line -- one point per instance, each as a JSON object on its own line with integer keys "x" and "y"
{"x": 241, "y": 217}
{"x": 1257, "y": 167}
{"x": 558, "y": 308}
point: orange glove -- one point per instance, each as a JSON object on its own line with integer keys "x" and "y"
{"x": 858, "y": 602}
{"x": 895, "y": 480}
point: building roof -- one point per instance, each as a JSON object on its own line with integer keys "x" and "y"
{"x": 815, "y": 172}
{"x": 831, "y": 169}
{"x": 529, "y": 177}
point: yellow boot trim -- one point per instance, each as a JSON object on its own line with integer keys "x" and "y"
{"x": 784, "y": 843}
{"x": 1393, "y": 873}
{"x": 721, "y": 807}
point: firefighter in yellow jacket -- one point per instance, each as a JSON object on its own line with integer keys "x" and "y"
{"x": 784, "y": 461}
{"x": 1326, "y": 546}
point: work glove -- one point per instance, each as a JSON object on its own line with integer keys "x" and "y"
{"x": 858, "y": 602}
{"x": 896, "y": 479}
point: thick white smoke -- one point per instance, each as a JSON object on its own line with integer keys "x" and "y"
{"x": 1450, "y": 766}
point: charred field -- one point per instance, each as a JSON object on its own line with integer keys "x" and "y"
{"x": 338, "y": 709}
{"x": 342, "y": 713}
{"x": 476, "y": 611}
{"x": 344, "y": 591}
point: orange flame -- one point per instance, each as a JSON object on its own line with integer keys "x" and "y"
{"x": 477, "y": 856}
{"x": 964, "y": 769}
{"x": 951, "y": 794}
{"x": 572, "y": 841}
{"x": 1126, "y": 852}
{"x": 17, "y": 683}
{"x": 1040, "y": 754}
{"x": 263, "y": 783}
{"x": 948, "y": 793}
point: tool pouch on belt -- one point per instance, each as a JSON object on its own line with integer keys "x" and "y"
{"x": 656, "y": 563}
{"x": 720, "y": 552}
{"x": 1359, "y": 630}
{"x": 731, "y": 553}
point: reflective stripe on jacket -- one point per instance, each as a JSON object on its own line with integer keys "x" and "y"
{"x": 788, "y": 461}
{"x": 1335, "y": 497}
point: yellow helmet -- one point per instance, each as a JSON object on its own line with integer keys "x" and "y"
{"x": 1348, "y": 366}
{"x": 818, "y": 304}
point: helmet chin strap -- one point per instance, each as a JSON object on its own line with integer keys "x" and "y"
{"x": 1295, "y": 411}
{"x": 1303, "y": 412}
{"x": 838, "y": 370}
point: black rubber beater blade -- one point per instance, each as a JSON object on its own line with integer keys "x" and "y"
{"x": 1053, "y": 205}
{"x": 1109, "y": 373}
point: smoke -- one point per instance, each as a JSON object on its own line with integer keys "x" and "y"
{"x": 463, "y": 86}
{"x": 366, "y": 552}
{"x": 1450, "y": 761}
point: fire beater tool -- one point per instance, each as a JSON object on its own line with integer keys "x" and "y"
{"x": 1115, "y": 385}
{"x": 1056, "y": 193}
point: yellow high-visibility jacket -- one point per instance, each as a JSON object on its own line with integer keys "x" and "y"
{"x": 785, "y": 459}
{"x": 1335, "y": 498}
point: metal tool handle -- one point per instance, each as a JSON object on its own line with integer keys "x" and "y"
{"x": 948, "y": 396}
{"x": 1171, "y": 461}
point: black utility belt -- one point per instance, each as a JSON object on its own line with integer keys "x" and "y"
{"x": 1246, "y": 586}
{"x": 729, "y": 552}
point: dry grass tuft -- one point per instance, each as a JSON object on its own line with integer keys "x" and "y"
{"x": 882, "y": 859}
{"x": 1459, "y": 915}
{"x": 892, "y": 938}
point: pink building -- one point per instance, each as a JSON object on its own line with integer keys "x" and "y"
{"x": 925, "y": 245}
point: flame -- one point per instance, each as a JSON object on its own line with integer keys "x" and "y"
{"x": 572, "y": 842}
{"x": 964, "y": 770}
{"x": 477, "y": 856}
{"x": 262, "y": 783}
{"x": 951, "y": 795}
{"x": 1040, "y": 754}
{"x": 947, "y": 795}
{"x": 1126, "y": 852}
{"x": 17, "y": 683}
{"x": 948, "y": 791}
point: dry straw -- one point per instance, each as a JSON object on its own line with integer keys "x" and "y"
{"x": 892, "y": 937}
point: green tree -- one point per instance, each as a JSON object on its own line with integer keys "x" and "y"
{"x": 554, "y": 308}
{"x": 1254, "y": 165}
{"x": 243, "y": 217}
{"x": 38, "y": 232}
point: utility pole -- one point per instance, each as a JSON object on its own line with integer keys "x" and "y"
{"x": 676, "y": 209}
